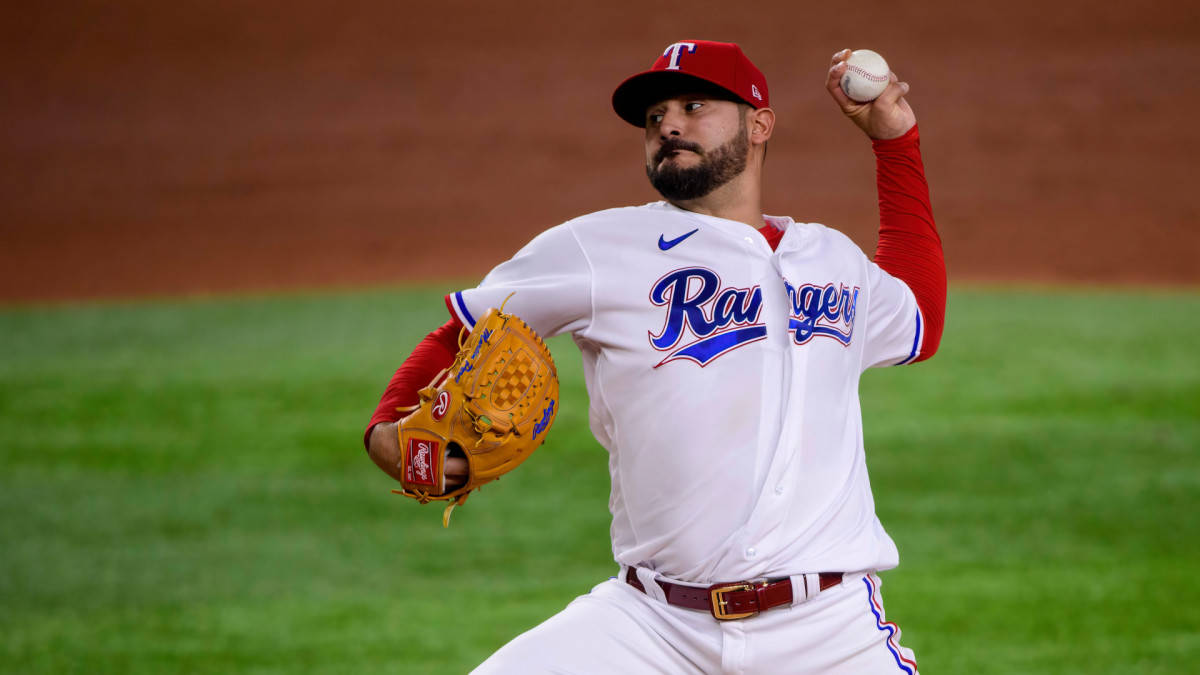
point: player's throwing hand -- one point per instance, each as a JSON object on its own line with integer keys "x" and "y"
{"x": 888, "y": 116}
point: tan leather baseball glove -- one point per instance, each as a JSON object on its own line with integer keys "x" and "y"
{"x": 493, "y": 406}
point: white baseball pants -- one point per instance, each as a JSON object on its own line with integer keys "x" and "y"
{"x": 617, "y": 629}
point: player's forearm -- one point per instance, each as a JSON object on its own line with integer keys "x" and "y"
{"x": 909, "y": 246}
{"x": 903, "y": 191}
{"x": 383, "y": 445}
{"x": 435, "y": 352}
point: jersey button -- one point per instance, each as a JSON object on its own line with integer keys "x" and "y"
{"x": 778, "y": 489}
{"x": 750, "y": 553}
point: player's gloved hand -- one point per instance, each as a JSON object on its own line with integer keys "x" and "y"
{"x": 888, "y": 116}
{"x": 481, "y": 417}
{"x": 457, "y": 472}
{"x": 385, "y": 451}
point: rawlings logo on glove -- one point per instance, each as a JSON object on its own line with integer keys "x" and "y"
{"x": 492, "y": 407}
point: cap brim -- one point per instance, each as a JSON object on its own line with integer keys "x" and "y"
{"x": 634, "y": 95}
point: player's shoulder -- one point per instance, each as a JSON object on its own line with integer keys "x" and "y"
{"x": 622, "y": 215}
{"x": 817, "y": 233}
{"x": 620, "y": 225}
{"x": 583, "y": 231}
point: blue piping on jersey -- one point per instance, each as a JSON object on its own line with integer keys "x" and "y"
{"x": 886, "y": 627}
{"x": 916, "y": 342}
{"x": 462, "y": 307}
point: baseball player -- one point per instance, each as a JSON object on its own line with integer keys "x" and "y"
{"x": 722, "y": 350}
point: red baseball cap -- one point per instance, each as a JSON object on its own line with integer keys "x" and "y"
{"x": 687, "y": 66}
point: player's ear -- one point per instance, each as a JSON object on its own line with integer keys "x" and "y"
{"x": 761, "y": 123}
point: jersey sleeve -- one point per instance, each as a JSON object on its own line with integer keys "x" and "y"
{"x": 894, "y": 321}
{"x": 549, "y": 281}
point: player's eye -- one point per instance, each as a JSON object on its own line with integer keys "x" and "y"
{"x": 693, "y": 106}
{"x": 654, "y": 118}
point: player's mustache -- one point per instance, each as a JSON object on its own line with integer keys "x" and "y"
{"x": 672, "y": 145}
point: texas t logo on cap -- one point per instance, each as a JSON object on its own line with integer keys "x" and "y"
{"x": 692, "y": 67}
{"x": 675, "y": 51}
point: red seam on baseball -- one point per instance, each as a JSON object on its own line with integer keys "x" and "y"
{"x": 859, "y": 70}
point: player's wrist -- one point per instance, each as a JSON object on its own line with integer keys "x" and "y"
{"x": 904, "y": 141}
{"x": 384, "y": 448}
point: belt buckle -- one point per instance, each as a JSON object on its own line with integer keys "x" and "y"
{"x": 718, "y": 602}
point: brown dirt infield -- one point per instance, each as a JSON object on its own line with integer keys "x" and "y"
{"x": 161, "y": 148}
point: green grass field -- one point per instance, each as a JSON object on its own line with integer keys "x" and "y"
{"x": 184, "y": 490}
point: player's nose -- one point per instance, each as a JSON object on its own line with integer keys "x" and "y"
{"x": 672, "y": 124}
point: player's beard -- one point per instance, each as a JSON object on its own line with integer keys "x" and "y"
{"x": 715, "y": 169}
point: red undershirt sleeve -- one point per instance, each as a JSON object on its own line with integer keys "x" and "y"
{"x": 909, "y": 247}
{"x": 430, "y": 356}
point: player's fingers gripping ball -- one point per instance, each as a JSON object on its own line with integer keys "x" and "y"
{"x": 493, "y": 407}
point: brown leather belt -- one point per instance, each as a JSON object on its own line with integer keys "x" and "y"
{"x": 736, "y": 600}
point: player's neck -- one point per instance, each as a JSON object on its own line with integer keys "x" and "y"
{"x": 740, "y": 199}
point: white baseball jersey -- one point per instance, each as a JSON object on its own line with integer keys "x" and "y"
{"x": 723, "y": 381}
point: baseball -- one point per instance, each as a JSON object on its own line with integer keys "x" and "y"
{"x": 866, "y": 75}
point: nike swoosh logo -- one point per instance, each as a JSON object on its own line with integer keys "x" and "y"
{"x": 665, "y": 245}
